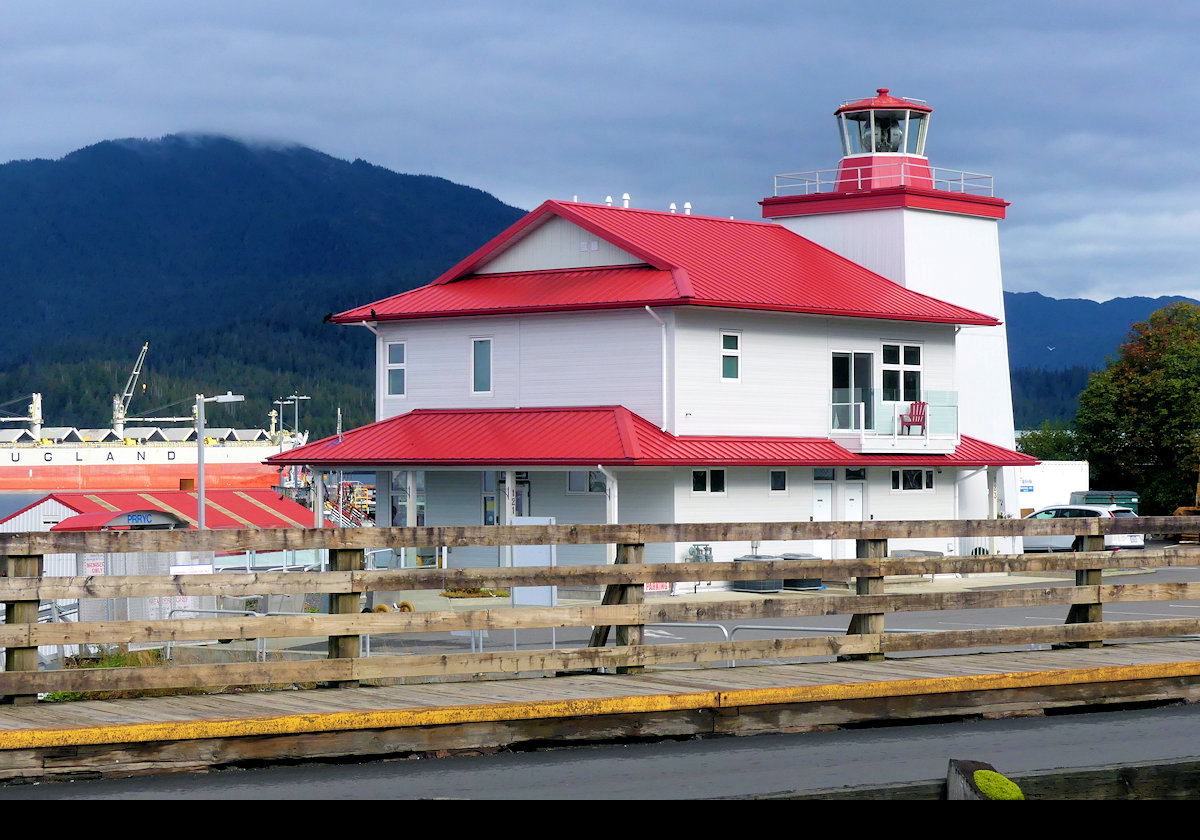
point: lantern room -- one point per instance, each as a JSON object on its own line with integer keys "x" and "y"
{"x": 883, "y": 143}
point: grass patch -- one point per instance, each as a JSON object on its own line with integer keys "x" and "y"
{"x": 475, "y": 593}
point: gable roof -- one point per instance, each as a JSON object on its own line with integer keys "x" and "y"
{"x": 585, "y": 437}
{"x": 224, "y": 508}
{"x": 689, "y": 260}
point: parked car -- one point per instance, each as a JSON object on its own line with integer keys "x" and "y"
{"x": 1071, "y": 542}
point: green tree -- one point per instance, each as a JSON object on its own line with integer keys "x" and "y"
{"x": 1139, "y": 419}
{"x": 1052, "y": 441}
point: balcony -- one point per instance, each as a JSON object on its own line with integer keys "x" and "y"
{"x": 862, "y": 421}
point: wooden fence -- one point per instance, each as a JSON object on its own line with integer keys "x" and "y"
{"x": 23, "y": 588}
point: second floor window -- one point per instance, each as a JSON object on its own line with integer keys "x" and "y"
{"x": 481, "y": 366}
{"x": 396, "y": 369}
{"x": 731, "y": 356}
{"x": 901, "y": 372}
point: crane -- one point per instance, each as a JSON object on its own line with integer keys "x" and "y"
{"x": 121, "y": 401}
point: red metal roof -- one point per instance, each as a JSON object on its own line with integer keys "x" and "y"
{"x": 883, "y": 100}
{"x": 224, "y": 508}
{"x": 607, "y": 435}
{"x": 689, "y": 260}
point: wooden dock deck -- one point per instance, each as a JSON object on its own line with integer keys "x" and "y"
{"x": 200, "y": 733}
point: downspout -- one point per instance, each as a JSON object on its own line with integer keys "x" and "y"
{"x": 663, "y": 325}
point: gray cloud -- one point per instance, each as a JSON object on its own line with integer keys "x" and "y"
{"x": 1076, "y": 108}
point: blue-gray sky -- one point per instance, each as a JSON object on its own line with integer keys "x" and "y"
{"x": 1081, "y": 110}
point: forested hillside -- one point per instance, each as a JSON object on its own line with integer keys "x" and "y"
{"x": 226, "y": 256}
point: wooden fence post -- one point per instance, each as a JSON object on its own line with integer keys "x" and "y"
{"x": 634, "y": 593}
{"x": 868, "y": 623}
{"x": 345, "y": 647}
{"x": 21, "y": 612}
{"x": 1083, "y": 613}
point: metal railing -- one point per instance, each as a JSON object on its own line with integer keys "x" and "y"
{"x": 900, "y": 173}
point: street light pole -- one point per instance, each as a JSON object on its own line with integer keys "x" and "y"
{"x": 296, "y": 398}
{"x": 227, "y": 397}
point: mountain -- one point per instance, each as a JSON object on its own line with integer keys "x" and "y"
{"x": 1047, "y": 333}
{"x": 226, "y": 256}
{"x": 1054, "y": 344}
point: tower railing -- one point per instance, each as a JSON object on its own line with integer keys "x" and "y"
{"x": 904, "y": 173}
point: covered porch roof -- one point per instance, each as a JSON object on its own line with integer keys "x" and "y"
{"x": 581, "y": 437}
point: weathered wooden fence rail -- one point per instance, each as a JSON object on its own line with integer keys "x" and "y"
{"x": 23, "y": 588}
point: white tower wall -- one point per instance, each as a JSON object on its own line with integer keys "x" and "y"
{"x": 956, "y": 258}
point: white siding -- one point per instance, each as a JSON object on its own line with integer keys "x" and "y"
{"x": 786, "y": 368}
{"x": 646, "y": 497}
{"x": 556, "y": 359}
{"x": 548, "y": 497}
{"x": 557, "y": 243}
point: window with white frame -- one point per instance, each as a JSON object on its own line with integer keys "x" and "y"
{"x": 397, "y": 361}
{"x": 731, "y": 356}
{"x": 778, "y": 481}
{"x": 481, "y": 366}
{"x": 708, "y": 481}
{"x": 901, "y": 372}
{"x": 585, "y": 481}
{"x": 904, "y": 481}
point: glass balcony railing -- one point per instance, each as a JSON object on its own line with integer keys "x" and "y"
{"x": 865, "y": 411}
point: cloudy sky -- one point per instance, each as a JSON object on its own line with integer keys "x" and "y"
{"x": 1081, "y": 110}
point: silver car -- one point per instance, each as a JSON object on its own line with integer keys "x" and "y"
{"x": 1071, "y": 542}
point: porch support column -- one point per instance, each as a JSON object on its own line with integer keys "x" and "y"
{"x": 510, "y": 508}
{"x": 410, "y": 512}
{"x": 612, "y": 512}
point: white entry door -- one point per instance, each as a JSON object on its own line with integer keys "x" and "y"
{"x": 822, "y": 512}
{"x": 852, "y": 511}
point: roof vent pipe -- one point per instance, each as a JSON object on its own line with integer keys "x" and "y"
{"x": 625, "y": 201}
{"x": 687, "y": 208}
{"x": 575, "y": 199}
{"x": 672, "y": 207}
{"x": 608, "y": 200}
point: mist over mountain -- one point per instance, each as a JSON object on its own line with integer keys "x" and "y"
{"x": 226, "y": 255}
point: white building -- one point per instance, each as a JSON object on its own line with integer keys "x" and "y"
{"x": 597, "y": 363}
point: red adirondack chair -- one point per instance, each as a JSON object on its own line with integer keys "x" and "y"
{"x": 915, "y": 417}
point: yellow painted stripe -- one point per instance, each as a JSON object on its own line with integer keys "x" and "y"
{"x": 16, "y": 739}
{"x": 296, "y": 724}
{"x": 229, "y": 513}
{"x": 272, "y": 511}
{"x": 101, "y": 502}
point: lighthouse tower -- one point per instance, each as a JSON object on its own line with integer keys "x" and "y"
{"x": 934, "y": 231}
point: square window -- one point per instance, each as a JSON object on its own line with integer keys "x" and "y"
{"x": 729, "y": 341}
{"x": 577, "y": 481}
{"x": 708, "y": 481}
{"x": 778, "y": 481}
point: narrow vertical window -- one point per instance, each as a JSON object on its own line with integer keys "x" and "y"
{"x": 396, "y": 367}
{"x": 731, "y": 356}
{"x": 481, "y": 365}
{"x": 779, "y": 481}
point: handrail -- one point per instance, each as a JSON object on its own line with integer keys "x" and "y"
{"x": 348, "y": 629}
{"x": 454, "y": 536}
